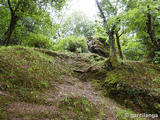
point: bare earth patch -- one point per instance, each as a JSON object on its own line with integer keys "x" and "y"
{"x": 32, "y": 109}
{"x": 4, "y": 94}
{"x": 20, "y": 109}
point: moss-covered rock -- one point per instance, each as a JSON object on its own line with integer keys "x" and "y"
{"x": 98, "y": 46}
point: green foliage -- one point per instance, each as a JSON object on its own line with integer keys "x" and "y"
{"x": 126, "y": 115}
{"x": 4, "y": 21}
{"x": 38, "y": 40}
{"x": 133, "y": 82}
{"x": 132, "y": 17}
{"x": 4, "y": 101}
{"x": 77, "y": 24}
{"x": 136, "y": 20}
{"x": 156, "y": 59}
{"x": 72, "y": 44}
{"x": 57, "y": 4}
{"x": 133, "y": 50}
{"x": 35, "y": 27}
{"x": 80, "y": 106}
{"x": 99, "y": 31}
{"x": 27, "y": 16}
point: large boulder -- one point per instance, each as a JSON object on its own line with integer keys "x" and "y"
{"x": 98, "y": 46}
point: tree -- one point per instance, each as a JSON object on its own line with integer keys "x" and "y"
{"x": 109, "y": 31}
{"x": 118, "y": 44}
{"x": 20, "y": 8}
{"x": 141, "y": 19}
{"x": 77, "y": 24}
{"x": 150, "y": 29}
{"x": 71, "y": 43}
{"x": 111, "y": 19}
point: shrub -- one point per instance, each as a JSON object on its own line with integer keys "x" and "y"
{"x": 133, "y": 51}
{"x": 38, "y": 40}
{"x": 156, "y": 59}
{"x": 72, "y": 44}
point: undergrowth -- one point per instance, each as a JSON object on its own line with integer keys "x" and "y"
{"x": 134, "y": 86}
{"x": 78, "y": 108}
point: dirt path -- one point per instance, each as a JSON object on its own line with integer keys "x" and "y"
{"x": 70, "y": 87}
{"x": 85, "y": 89}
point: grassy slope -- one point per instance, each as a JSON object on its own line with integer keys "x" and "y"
{"x": 31, "y": 78}
{"x": 26, "y": 73}
{"x": 135, "y": 85}
{"x": 28, "y": 70}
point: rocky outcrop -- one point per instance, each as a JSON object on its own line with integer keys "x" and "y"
{"x": 98, "y": 46}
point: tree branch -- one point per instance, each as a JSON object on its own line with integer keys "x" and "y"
{"x": 121, "y": 34}
{"x": 103, "y": 17}
{"x": 114, "y": 26}
{"x": 11, "y": 9}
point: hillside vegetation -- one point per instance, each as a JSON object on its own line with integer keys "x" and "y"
{"x": 41, "y": 84}
{"x": 79, "y": 60}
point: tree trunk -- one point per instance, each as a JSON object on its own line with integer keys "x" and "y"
{"x": 112, "y": 56}
{"x": 103, "y": 17}
{"x": 112, "y": 44}
{"x": 119, "y": 46}
{"x": 150, "y": 30}
{"x": 10, "y": 30}
{"x": 109, "y": 32}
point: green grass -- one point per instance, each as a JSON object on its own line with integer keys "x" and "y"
{"x": 78, "y": 108}
{"x": 25, "y": 72}
{"x": 4, "y": 101}
{"x": 126, "y": 115}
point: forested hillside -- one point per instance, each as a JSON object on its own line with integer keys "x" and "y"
{"x": 57, "y": 63}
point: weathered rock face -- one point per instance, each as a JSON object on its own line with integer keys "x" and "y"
{"x": 98, "y": 46}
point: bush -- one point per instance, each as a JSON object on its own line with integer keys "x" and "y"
{"x": 133, "y": 50}
{"x": 156, "y": 59}
{"x": 38, "y": 40}
{"x": 72, "y": 44}
{"x": 131, "y": 54}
